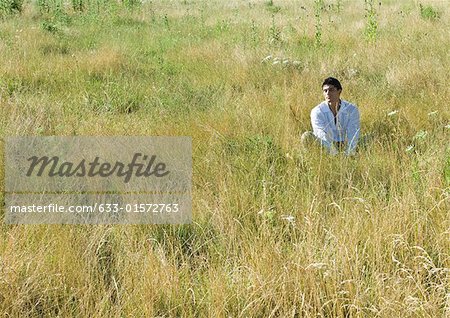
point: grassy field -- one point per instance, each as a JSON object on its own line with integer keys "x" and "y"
{"x": 278, "y": 231}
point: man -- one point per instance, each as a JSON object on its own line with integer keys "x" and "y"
{"x": 335, "y": 122}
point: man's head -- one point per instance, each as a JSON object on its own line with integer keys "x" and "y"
{"x": 332, "y": 89}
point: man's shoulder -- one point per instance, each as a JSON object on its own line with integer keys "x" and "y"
{"x": 319, "y": 108}
{"x": 349, "y": 106}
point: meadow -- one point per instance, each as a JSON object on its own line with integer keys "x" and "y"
{"x": 277, "y": 231}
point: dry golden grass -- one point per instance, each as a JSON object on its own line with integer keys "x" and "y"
{"x": 278, "y": 231}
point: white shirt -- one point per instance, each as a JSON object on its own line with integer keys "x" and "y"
{"x": 346, "y": 128}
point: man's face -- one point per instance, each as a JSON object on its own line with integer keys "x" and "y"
{"x": 331, "y": 94}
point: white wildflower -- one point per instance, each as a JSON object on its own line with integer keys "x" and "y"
{"x": 289, "y": 218}
{"x": 421, "y": 134}
{"x": 434, "y": 113}
{"x": 266, "y": 59}
{"x": 392, "y": 113}
{"x": 410, "y": 148}
{"x": 352, "y": 72}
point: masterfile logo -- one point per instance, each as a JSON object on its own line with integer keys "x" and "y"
{"x": 98, "y": 179}
{"x": 146, "y": 168}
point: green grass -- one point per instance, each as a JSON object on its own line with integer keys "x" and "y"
{"x": 427, "y": 12}
{"x": 277, "y": 231}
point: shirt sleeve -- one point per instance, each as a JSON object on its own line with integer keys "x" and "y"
{"x": 319, "y": 125}
{"x": 353, "y": 130}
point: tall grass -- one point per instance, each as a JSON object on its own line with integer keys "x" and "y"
{"x": 278, "y": 230}
{"x": 10, "y": 7}
{"x": 371, "y": 20}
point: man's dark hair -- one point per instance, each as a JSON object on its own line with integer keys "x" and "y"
{"x": 332, "y": 81}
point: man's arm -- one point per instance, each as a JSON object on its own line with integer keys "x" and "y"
{"x": 353, "y": 130}
{"x": 321, "y": 131}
